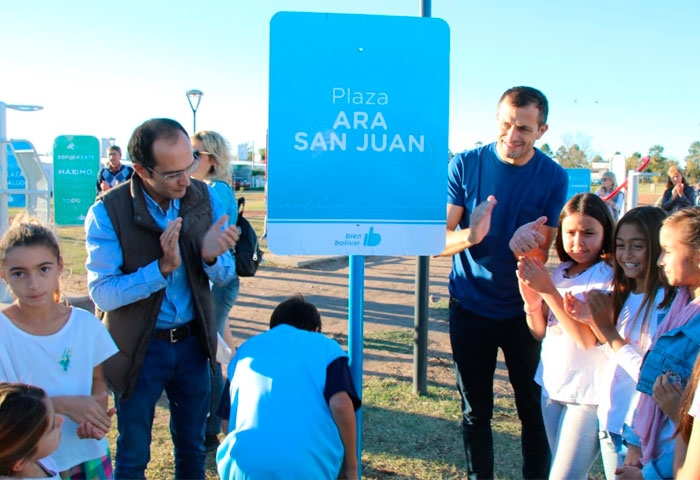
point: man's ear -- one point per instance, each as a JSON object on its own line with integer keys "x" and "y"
{"x": 141, "y": 171}
{"x": 541, "y": 131}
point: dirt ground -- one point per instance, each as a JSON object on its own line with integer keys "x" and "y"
{"x": 389, "y": 299}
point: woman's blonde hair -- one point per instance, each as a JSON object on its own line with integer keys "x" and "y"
{"x": 216, "y": 146}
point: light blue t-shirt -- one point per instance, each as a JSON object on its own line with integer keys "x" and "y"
{"x": 280, "y": 425}
{"x": 228, "y": 199}
{"x": 483, "y": 276}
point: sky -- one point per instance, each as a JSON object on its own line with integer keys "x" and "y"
{"x": 619, "y": 75}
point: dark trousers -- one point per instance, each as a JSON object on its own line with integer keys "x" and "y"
{"x": 475, "y": 341}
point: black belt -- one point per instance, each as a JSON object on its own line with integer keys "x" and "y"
{"x": 176, "y": 334}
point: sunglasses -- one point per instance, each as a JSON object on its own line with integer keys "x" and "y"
{"x": 174, "y": 176}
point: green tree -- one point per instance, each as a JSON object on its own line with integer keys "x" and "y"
{"x": 572, "y": 157}
{"x": 658, "y": 163}
{"x": 692, "y": 161}
{"x": 633, "y": 162}
{"x": 547, "y": 150}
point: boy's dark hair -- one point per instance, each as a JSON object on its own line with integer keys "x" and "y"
{"x": 145, "y": 135}
{"x": 115, "y": 148}
{"x": 298, "y": 313}
{"x": 524, "y": 96}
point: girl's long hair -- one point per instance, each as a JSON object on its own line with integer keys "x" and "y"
{"x": 686, "y": 420}
{"x": 23, "y": 421}
{"x": 648, "y": 221}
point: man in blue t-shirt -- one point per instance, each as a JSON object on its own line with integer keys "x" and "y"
{"x": 494, "y": 191}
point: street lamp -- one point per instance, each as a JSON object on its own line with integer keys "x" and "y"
{"x": 194, "y": 97}
{"x": 4, "y": 192}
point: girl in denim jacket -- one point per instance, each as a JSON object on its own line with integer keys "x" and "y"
{"x": 626, "y": 322}
{"x": 668, "y": 365}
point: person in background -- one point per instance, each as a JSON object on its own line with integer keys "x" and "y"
{"x": 678, "y": 193}
{"x": 608, "y": 184}
{"x": 115, "y": 172}
{"x": 214, "y": 168}
{"x": 30, "y": 430}
{"x": 292, "y": 402}
{"x": 497, "y": 211}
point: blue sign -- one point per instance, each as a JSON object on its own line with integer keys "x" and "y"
{"x": 15, "y": 181}
{"x": 579, "y": 181}
{"x": 357, "y": 134}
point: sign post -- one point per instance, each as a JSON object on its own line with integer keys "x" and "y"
{"x": 76, "y": 162}
{"x": 358, "y": 141}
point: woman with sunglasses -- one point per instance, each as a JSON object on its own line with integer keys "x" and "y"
{"x": 214, "y": 154}
{"x": 608, "y": 184}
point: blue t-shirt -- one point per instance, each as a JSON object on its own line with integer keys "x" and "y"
{"x": 280, "y": 424}
{"x": 483, "y": 276}
{"x": 225, "y": 193}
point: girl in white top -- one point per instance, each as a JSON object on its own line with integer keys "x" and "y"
{"x": 30, "y": 430}
{"x": 571, "y": 363}
{"x": 626, "y": 323}
{"x": 55, "y": 347}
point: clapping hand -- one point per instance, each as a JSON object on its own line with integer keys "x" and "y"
{"x": 526, "y": 238}
{"x": 480, "y": 220}
{"x": 169, "y": 242}
{"x": 218, "y": 239}
{"x": 533, "y": 273}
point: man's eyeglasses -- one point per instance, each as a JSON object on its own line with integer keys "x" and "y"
{"x": 174, "y": 176}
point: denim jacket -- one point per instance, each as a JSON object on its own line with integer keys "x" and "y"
{"x": 674, "y": 351}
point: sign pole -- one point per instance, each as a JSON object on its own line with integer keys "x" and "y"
{"x": 356, "y": 300}
{"x": 420, "y": 315}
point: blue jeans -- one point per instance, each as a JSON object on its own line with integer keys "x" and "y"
{"x": 223, "y": 297}
{"x": 475, "y": 341}
{"x": 182, "y": 370}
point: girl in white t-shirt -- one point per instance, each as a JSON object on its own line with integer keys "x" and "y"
{"x": 626, "y": 323}
{"x": 686, "y": 460}
{"x": 55, "y": 347}
{"x": 30, "y": 430}
{"x": 571, "y": 362}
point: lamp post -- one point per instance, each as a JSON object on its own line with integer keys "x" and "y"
{"x": 4, "y": 192}
{"x": 194, "y": 97}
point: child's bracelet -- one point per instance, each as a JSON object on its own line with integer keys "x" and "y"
{"x": 537, "y": 308}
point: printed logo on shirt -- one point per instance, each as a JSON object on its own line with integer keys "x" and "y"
{"x": 65, "y": 359}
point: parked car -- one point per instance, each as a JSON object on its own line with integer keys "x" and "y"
{"x": 241, "y": 183}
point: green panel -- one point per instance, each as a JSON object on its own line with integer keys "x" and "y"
{"x": 76, "y": 162}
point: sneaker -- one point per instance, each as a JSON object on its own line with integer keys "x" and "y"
{"x": 211, "y": 443}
